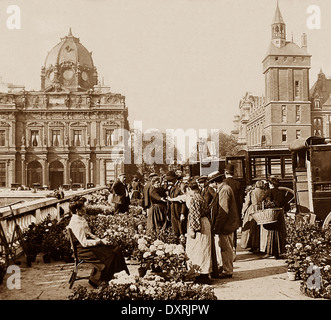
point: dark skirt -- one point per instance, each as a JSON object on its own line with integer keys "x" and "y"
{"x": 156, "y": 217}
{"x": 107, "y": 259}
{"x": 276, "y": 236}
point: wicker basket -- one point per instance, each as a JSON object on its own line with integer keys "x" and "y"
{"x": 266, "y": 216}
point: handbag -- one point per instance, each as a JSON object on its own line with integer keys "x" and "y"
{"x": 117, "y": 198}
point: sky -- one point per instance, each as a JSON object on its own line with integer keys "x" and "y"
{"x": 181, "y": 64}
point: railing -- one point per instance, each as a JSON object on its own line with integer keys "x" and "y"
{"x": 37, "y": 210}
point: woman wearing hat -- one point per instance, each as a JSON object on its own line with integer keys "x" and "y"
{"x": 250, "y": 234}
{"x": 107, "y": 259}
{"x": 157, "y": 215}
{"x": 198, "y": 243}
{"x": 273, "y": 236}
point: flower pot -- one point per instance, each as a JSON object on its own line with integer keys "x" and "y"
{"x": 142, "y": 271}
{"x": 46, "y": 258}
{"x": 292, "y": 275}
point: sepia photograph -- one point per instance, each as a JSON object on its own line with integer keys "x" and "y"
{"x": 165, "y": 155}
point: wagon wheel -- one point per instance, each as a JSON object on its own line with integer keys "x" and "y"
{"x": 327, "y": 221}
{"x": 289, "y": 196}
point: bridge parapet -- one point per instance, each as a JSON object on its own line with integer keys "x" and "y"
{"x": 37, "y": 210}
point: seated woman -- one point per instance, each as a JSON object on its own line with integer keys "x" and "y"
{"x": 107, "y": 259}
{"x": 157, "y": 216}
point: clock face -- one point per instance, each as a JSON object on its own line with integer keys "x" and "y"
{"x": 51, "y": 76}
{"x": 68, "y": 74}
{"x": 84, "y": 76}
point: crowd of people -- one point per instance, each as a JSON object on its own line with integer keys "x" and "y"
{"x": 205, "y": 212}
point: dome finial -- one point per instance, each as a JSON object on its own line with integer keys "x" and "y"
{"x": 70, "y": 33}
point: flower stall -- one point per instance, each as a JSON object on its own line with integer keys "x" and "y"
{"x": 308, "y": 256}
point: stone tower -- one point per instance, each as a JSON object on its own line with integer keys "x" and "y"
{"x": 286, "y": 70}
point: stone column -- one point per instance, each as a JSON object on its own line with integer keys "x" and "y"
{"x": 23, "y": 171}
{"x": 102, "y": 172}
{"x": 66, "y": 171}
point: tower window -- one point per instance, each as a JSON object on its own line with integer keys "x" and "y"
{"x": 284, "y": 113}
{"x": 2, "y": 138}
{"x": 284, "y": 135}
{"x": 317, "y": 104}
{"x": 297, "y": 88}
{"x": 276, "y": 58}
{"x": 298, "y": 113}
{"x": 298, "y": 134}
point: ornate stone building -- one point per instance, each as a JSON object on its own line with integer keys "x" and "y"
{"x": 283, "y": 114}
{"x": 320, "y": 95}
{"x": 64, "y": 133}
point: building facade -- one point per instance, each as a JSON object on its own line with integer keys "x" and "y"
{"x": 320, "y": 95}
{"x": 283, "y": 113}
{"x": 64, "y": 133}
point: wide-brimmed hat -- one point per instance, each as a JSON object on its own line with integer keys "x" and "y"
{"x": 171, "y": 176}
{"x": 202, "y": 179}
{"x": 153, "y": 174}
{"x": 215, "y": 177}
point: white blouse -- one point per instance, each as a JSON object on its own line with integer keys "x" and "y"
{"x": 81, "y": 230}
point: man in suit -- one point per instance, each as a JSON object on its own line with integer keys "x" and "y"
{"x": 238, "y": 194}
{"x": 146, "y": 192}
{"x": 226, "y": 222}
{"x": 121, "y": 196}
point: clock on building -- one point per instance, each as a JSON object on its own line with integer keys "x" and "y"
{"x": 68, "y": 74}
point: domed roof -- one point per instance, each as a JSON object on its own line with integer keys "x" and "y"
{"x": 69, "y": 50}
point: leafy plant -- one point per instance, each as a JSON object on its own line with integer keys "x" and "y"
{"x": 308, "y": 245}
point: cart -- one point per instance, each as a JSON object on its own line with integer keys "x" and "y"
{"x": 312, "y": 177}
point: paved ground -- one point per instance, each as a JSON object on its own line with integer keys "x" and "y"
{"x": 254, "y": 279}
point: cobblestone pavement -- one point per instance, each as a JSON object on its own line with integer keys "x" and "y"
{"x": 254, "y": 279}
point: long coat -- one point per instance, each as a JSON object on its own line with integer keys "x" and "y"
{"x": 250, "y": 235}
{"x": 224, "y": 211}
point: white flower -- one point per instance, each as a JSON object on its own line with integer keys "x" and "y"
{"x": 142, "y": 247}
{"x": 152, "y": 248}
{"x": 133, "y": 287}
{"x": 157, "y": 242}
{"x": 142, "y": 241}
{"x": 298, "y": 245}
{"x": 160, "y": 253}
{"x": 146, "y": 254}
{"x": 49, "y": 224}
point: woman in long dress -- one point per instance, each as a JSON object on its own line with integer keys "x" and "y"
{"x": 106, "y": 259}
{"x": 198, "y": 242}
{"x": 157, "y": 215}
{"x": 250, "y": 234}
{"x": 273, "y": 236}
